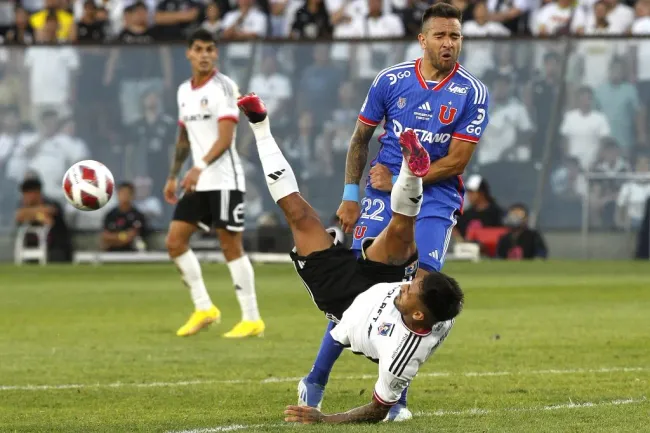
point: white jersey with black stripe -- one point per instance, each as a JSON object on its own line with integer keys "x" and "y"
{"x": 200, "y": 108}
{"x": 373, "y": 326}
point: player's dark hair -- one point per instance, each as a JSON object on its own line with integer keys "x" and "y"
{"x": 127, "y": 185}
{"x": 31, "y": 184}
{"x": 441, "y": 10}
{"x": 200, "y": 35}
{"x": 442, "y": 296}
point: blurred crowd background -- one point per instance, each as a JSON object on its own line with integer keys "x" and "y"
{"x": 568, "y": 134}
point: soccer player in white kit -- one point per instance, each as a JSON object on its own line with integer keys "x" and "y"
{"x": 213, "y": 188}
{"x": 396, "y": 324}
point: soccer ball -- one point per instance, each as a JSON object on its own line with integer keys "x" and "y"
{"x": 88, "y": 185}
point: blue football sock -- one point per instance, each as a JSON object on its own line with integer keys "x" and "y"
{"x": 329, "y": 352}
{"x": 402, "y": 398}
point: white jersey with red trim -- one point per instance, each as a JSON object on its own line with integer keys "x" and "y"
{"x": 372, "y": 326}
{"x": 456, "y": 108}
{"x": 200, "y": 109}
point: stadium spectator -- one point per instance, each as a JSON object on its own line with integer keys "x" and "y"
{"x": 137, "y": 70}
{"x": 480, "y": 26}
{"x": 13, "y": 135}
{"x": 513, "y": 14}
{"x": 553, "y": 18}
{"x": 125, "y": 227}
{"x": 601, "y": 25}
{"x": 583, "y": 128}
{"x": 52, "y": 73}
{"x": 89, "y": 27}
{"x": 274, "y": 87}
{"x": 540, "y": 98}
{"x": 12, "y": 85}
{"x": 151, "y": 140}
{"x": 633, "y": 195}
{"x": 315, "y": 86}
{"x": 505, "y": 64}
{"x": 338, "y": 129}
{"x": 173, "y": 18}
{"x": 21, "y": 31}
{"x": 311, "y": 21}
{"x": 53, "y": 10}
{"x": 643, "y": 238}
{"x": 39, "y": 210}
{"x": 149, "y": 204}
{"x": 509, "y": 132}
{"x": 619, "y": 17}
{"x": 640, "y": 54}
{"x": 244, "y": 23}
{"x": 411, "y": 15}
{"x": 483, "y": 210}
{"x": 521, "y": 242}
{"x": 282, "y": 16}
{"x": 619, "y": 100}
{"x": 212, "y": 22}
{"x": 605, "y": 192}
{"x": 136, "y": 25}
{"x": 299, "y": 148}
{"x": 49, "y": 156}
{"x": 568, "y": 182}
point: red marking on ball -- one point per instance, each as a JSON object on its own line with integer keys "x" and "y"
{"x": 109, "y": 187}
{"x": 90, "y": 201}
{"x": 89, "y": 175}
{"x": 67, "y": 187}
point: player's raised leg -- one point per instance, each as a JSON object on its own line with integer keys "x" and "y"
{"x": 178, "y": 247}
{"x": 396, "y": 243}
{"x": 309, "y": 234}
{"x": 243, "y": 278}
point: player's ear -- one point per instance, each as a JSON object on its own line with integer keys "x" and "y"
{"x": 418, "y": 315}
{"x": 422, "y": 40}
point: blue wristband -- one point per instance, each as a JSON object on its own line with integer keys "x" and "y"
{"x": 395, "y": 178}
{"x": 351, "y": 192}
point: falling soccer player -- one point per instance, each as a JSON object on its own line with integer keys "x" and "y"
{"x": 398, "y": 325}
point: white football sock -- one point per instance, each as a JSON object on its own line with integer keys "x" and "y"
{"x": 279, "y": 176}
{"x": 406, "y": 197}
{"x": 190, "y": 269}
{"x": 243, "y": 277}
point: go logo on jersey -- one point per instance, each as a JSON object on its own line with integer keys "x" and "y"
{"x": 424, "y": 135}
{"x": 394, "y": 77}
{"x": 475, "y": 125}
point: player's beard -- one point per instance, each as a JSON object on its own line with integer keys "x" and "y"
{"x": 440, "y": 65}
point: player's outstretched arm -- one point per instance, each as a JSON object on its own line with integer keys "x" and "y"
{"x": 372, "y": 412}
{"x": 349, "y": 211}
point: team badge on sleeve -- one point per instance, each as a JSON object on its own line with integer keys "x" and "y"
{"x": 401, "y": 103}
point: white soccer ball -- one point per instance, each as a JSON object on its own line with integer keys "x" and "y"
{"x": 88, "y": 185}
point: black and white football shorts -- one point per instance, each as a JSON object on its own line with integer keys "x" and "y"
{"x": 335, "y": 277}
{"x": 221, "y": 209}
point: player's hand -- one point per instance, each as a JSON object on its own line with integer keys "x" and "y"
{"x": 169, "y": 191}
{"x": 191, "y": 178}
{"x": 348, "y": 214}
{"x": 302, "y": 414}
{"x": 381, "y": 178}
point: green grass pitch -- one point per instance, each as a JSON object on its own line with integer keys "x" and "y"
{"x": 540, "y": 347}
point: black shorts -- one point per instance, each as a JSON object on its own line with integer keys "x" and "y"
{"x": 335, "y": 277}
{"x": 221, "y": 209}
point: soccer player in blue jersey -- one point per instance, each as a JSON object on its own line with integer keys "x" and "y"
{"x": 447, "y": 107}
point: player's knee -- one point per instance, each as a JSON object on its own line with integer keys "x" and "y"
{"x": 301, "y": 217}
{"x": 231, "y": 245}
{"x": 175, "y": 244}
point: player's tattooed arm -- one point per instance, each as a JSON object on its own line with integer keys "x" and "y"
{"x": 358, "y": 152}
{"x": 181, "y": 153}
{"x": 372, "y": 412}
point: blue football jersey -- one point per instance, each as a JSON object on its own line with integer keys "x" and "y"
{"x": 456, "y": 107}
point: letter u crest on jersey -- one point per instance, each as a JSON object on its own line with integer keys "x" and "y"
{"x": 359, "y": 232}
{"x": 447, "y": 114}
